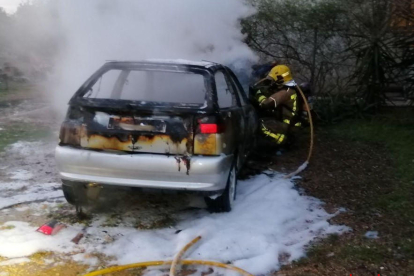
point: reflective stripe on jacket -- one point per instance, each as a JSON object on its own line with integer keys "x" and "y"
{"x": 286, "y": 99}
{"x": 294, "y": 110}
{"x": 260, "y": 98}
{"x": 279, "y": 137}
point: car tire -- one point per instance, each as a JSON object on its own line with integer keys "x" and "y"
{"x": 225, "y": 202}
{"x": 68, "y": 193}
{"x": 75, "y": 193}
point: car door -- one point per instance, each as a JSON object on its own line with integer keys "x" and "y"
{"x": 249, "y": 116}
{"x": 231, "y": 113}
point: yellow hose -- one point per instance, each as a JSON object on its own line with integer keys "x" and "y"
{"x": 303, "y": 166}
{"x": 180, "y": 254}
{"x": 310, "y": 123}
{"x": 173, "y": 264}
{"x": 160, "y": 263}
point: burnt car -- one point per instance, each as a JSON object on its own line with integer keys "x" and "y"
{"x": 157, "y": 124}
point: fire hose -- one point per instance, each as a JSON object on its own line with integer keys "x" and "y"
{"x": 305, "y": 164}
{"x": 173, "y": 264}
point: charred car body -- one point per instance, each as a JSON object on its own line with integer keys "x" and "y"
{"x": 169, "y": 125}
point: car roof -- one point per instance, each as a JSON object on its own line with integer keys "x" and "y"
{"x": 181, "y": 62}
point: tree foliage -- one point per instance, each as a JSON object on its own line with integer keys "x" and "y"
{"x": 383, "y": 50}
{"x": 359, "y": 47}
{"x": 303, "y": 34}
{"x": 30, "y": 38}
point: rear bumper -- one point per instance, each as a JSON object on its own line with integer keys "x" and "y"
{"x": 154, "y": 171}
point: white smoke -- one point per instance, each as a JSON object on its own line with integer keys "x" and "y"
{"x": 100, "y": 30}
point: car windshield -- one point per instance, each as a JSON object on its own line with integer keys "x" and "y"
{"x": 149, "y": 86}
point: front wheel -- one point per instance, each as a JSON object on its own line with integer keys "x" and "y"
{"x": 225, "y": 202}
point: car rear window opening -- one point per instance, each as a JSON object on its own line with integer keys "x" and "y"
{"x": 149, "y": 86}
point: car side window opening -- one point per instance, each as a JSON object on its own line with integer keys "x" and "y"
{"x": 239, "y": 92}
{"x": 103, "y": 87}
{"x": 225, "y": 96}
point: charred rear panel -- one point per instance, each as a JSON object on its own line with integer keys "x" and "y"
{"x": 110, "y": 131}
{"x": 156, "y": 134}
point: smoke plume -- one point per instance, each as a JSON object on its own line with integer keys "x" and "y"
{"x": 99, "y": 30}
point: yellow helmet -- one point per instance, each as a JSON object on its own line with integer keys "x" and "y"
{"x": 280, "y": 73}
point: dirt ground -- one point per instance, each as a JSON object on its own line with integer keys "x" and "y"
{"x": 358, "y": 176}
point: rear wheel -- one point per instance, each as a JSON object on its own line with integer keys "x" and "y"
{"x": 69, "y": 194}
{"x": 76, "y": 194}
{"x": 225, "y": 202}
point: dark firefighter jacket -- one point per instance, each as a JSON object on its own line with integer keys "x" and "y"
{"x": 279, "y": 110}
{"x": 283, "y": 105}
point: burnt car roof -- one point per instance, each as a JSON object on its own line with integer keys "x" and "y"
{"x": 161, "y": 62}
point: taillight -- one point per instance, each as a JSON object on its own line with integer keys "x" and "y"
{"x": 211, "y": 128}
{"x": 208, "y": 138}
{"x": 71, "y": 129}
{"x": 70, "y": 133}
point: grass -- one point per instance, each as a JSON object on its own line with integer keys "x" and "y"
{"x": 7, "y": 227}
{"x": 395, "y": 131}
{"x": 21, "y": 132}
{"x": 368, "y": 252}
{"x": 17, "y": 92}
{"x": 17, "y": 131}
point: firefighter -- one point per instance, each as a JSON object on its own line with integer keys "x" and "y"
{"x": 279, "y": 104}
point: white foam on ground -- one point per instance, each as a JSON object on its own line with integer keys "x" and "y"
{"x": 34, "y": 180}
{"x": 270, "y": 219}
{"x": 86, "y": 259}
{"x": 299, "y": 170}
{"x": 34, "y": 193}
{"x": 12, "y": 186}
{"x": 15, "y": 261}
{"x": 23, "y": 240}
{"x": 371, "y": 235}
{"x": 22, "y": 209}
{"x": 21, "y": 175}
